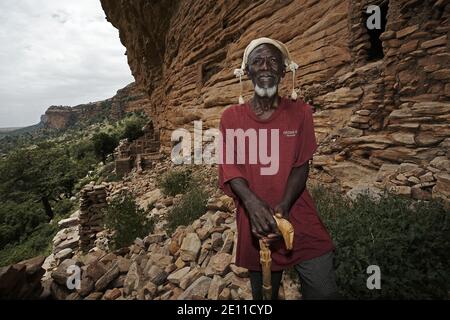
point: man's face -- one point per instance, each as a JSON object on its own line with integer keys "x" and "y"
{"x": 265, "y": 67}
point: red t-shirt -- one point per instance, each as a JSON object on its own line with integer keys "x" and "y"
{"x": 297, "y": 144}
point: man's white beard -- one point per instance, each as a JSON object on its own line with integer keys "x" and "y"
{"x": 265, "y": 92}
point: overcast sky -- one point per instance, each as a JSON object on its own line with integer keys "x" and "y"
{"x": 56, "y": 52}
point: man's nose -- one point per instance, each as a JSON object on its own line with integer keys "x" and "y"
{"x": 265, "y": 64}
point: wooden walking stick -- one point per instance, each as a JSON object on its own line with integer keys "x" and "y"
{"x": 266, "y": 262}
{"x": 287, "y": 231}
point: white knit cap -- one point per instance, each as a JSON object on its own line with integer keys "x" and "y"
{"x": 289, "y": 64}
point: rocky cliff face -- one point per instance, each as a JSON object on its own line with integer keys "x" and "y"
{"x": 381, "y": 97}
{"x": 130, "y": 98}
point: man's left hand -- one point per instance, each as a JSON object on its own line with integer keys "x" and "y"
{"x": 283, "y": 209}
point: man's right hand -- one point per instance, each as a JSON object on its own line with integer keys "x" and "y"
{"x": 262, "y": 222}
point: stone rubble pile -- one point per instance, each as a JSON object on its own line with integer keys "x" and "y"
{"x": 425, "y": 182}
{"x": 197, "y": 262}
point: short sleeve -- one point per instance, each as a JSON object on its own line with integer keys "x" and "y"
{"x": 306, "y": 143}
{"x": 227, "y": 171}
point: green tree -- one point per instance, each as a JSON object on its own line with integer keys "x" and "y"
{"x": 132, "y": 131}
{"x": 104, "y": 144}
{"x": 43, "y": 172}
{"x": 128, "y": 221}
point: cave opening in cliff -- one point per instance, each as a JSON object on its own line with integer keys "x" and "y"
{"x": 375, "y": 52}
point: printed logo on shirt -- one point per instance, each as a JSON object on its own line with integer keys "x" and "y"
{"x": 290, "y": 133}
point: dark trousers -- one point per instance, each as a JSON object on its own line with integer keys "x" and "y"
{"x": 317, "y": 279}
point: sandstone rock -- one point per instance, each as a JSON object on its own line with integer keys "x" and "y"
{"x": 23, "y": 280}
{"x": 228, "y": 243}
{"x": 59, "y": 292}
{"x": 441, "y": 163}
{"x": 199, "y": 288}
{"x": 112, "y": 294}
{"x": 148, "y": 291}
{"x": 160, "y": 260}
{"x": 217, "y": 241}
{"x": 179, "y": 263}
{"x": 385, "y": 171}
{"x": 139, "y": 244}
{"x": 440, "y": 41}
{"x": 156, "y": 275}
{"x": 364, "y": 190}
{"x": 427, "y": 177}
{"x": 224, "y": 203}
{"x": 427, "y": 139}
{"x": 409, "y": 46}
{"x": 48, "y": 265}
{"x": 413, "y": 179}
{"x": 154, "y": 238}
{"x": 61, "y": 274}
{"x": 403, "y": 137}
{"x": 352, "y": 177}
{"x": 108, "y": 259}
{"x": 96, "y": 270}
{"x": 86, "y": 286}
{"x": 234, "y": 294}
{"x": 69, "y": 222}
{"x": 176, "y": 292}
{"x": 168, "y": 201}
{"x": 174, "y": 247}
{"x": 220, "y": 263}
{"x": 64, "y": 254}
{"x": 240, "y": 272}
{"x": 190, "y": 247}
{"x": 94, "y": 296}
{"x": 107, "y": 278}
{"x": 225, "y": 294}
{"x": 73, "y": 296}
{"x": 360, "y": 119}
{"x": 150, "y": 198}
{"x": 290, "y": 288}
{"x": 442, "y": 188}
{"x": 219, "y": 218}
{"x": 170, "y": 268}
{"x": 407, "y": 31}
{"x": 400, "y": 190}
{"x": 203, "y": 254}
{"x": 189, "y": 278}
{"x": 430, "y": 108}
{"x": 68, "y": 243}
{"x": 387, "y": 35}
{"x": 119, "y": 281}
{"x": 340, "y": 97}
{"x": 348, "y": 132}
{"x": 176, "y": 276}
{"x": 123, "y": 264}
{"x": 203, "y": 233}
{"x": 406, "y": 166}
{"x": 216, "y": 287}
{"x": 93, "y": 256}
{"x": 134, "y": 279}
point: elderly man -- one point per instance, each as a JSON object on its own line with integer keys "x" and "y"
{"x": 257, "y": 196}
